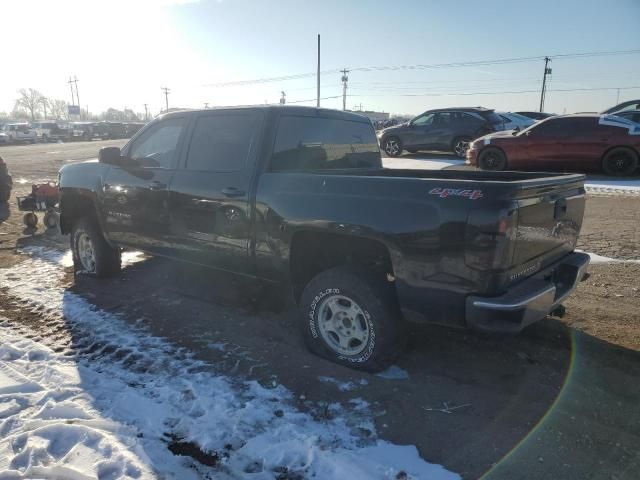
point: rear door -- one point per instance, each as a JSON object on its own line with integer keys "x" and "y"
{"x": 135, "y": 194}
{"x": 209, "y": 201}
{"x": 584, "y": 143}
{"x": 445, "y": 126}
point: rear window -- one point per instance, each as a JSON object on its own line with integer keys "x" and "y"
{"x": 310, "y": 143}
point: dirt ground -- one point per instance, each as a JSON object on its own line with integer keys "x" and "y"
{"x": 558, "y": 401}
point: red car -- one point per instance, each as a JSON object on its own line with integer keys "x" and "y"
{"x": 584, "y": 142}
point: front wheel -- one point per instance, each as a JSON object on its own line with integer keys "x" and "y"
{"x": 620, "y": 162}
{"x": 392, "y": 146}
{"x": 492, "y": 159}
{"x": 352, "y": 318}
{"x": 91, "y": 252}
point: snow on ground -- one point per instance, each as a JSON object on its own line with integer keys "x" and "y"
{"x": 613, "y": 186}
{"x": 112, "y": 403}
{"x": 595, "y": 258}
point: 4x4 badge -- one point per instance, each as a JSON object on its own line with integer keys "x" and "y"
{"x": 456, "y": 192}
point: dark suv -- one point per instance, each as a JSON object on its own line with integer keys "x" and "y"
{"x": 445, "y": 130}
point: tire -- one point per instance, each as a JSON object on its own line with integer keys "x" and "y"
{"x": 392, "y": 146}
{"x": 51, "y": 220}
{"x": 620, "y": 162}
{"x": 30, "y": 220}
{"x": 460, "y": 145}
{"x": 101, "y": 260}
{"x": 363, "y": 327}
{"x": 492, "y": 158}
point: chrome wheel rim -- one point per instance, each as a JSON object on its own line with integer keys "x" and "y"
{"x": 392, "y": 147}
{"x": 343, "y": 325}
{"x": 86, "y": 252}
{"x": 461, "y": 148}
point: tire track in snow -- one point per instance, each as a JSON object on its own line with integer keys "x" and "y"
{"x": 153, "y": 392}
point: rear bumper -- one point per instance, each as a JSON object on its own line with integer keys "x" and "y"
{"x": 530, "y": 300}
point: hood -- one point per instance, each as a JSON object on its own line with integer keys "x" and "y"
{"x": 499, "y": 134}
{"x": 393, "y": 127}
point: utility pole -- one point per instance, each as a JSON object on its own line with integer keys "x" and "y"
{"x": 166, "y": 96}
{"x": 73, "y": 99}
{"x": 345, "y": 79}
{"x": 318, "y": 74}
{"x": 547, "y": 71}
{"x": 283, "y": 98}
{"x": 145, "y": 112}
{"x": 618, "y": 97}
{"x": 75, "y": 81}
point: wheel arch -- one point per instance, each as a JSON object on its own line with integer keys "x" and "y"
{"x": 626, "y": 147}
{"x": 75, "y": 204}
{"x": 313, "y": 252}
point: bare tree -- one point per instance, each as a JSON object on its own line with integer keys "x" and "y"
{"x": 31, "y": 100}
{"x": 57, "y": 108}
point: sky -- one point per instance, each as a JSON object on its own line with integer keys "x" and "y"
{"x": 124, "y": 51}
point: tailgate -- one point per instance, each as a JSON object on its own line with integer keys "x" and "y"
{"x": 548, "y": 223}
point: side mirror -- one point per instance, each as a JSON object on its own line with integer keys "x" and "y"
{"x": 516, "y": 130}
{"x": 110, "y": 155}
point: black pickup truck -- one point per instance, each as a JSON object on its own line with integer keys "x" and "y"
{"x": 297, "y": 196}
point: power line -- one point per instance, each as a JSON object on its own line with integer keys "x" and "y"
{"x": 500, "y": 61}
{"x": 453, "y": 94}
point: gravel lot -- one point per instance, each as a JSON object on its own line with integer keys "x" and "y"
{"x": 507, "y": 383}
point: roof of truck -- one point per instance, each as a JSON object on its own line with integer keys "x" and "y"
{"x": 294, "y": 109}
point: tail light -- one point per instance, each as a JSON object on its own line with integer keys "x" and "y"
{"x": 490, "y": 246}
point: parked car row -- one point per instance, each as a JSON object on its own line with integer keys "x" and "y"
{"x": 608, "y": 142}
{"x": 51, "y": 130}
{"x": 584, "y": 142}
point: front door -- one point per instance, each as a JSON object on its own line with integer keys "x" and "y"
{"x": 420, "y": 129}
{"x": 136, "y": 193}
{"x": 209, "y": 198}
{"x": 544, "y": 144}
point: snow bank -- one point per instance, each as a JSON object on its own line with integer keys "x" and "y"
{"x": 595, "y": 258}
{"x": 613, "y": 187}
{"x": 109, "y": 405}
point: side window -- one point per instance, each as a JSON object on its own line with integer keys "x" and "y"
{"x": 442, "y": 119}
{"x": 547, "y": 128}
{"x": 310, "y": 143}
{"x": 472, "y": 120}
{"x": 157, "y": 147}
{"x": 222, "y": 142}
{"x": 423, "y": 120}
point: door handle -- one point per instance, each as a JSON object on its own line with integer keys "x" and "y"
{"x": 232, "y": 192}
{"x": 156, "y": 185}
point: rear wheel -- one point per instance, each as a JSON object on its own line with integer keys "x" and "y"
{"x": 91, "y": 252}
{"x": 620, "y": 162}
{"x": 352, "y": 318}
{"x": 392, "y": 146}
{"x": 492, "y": 159}
{"x": 460, "y": 146}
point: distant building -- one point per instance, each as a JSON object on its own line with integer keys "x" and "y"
{"x": 373, "y": 116}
